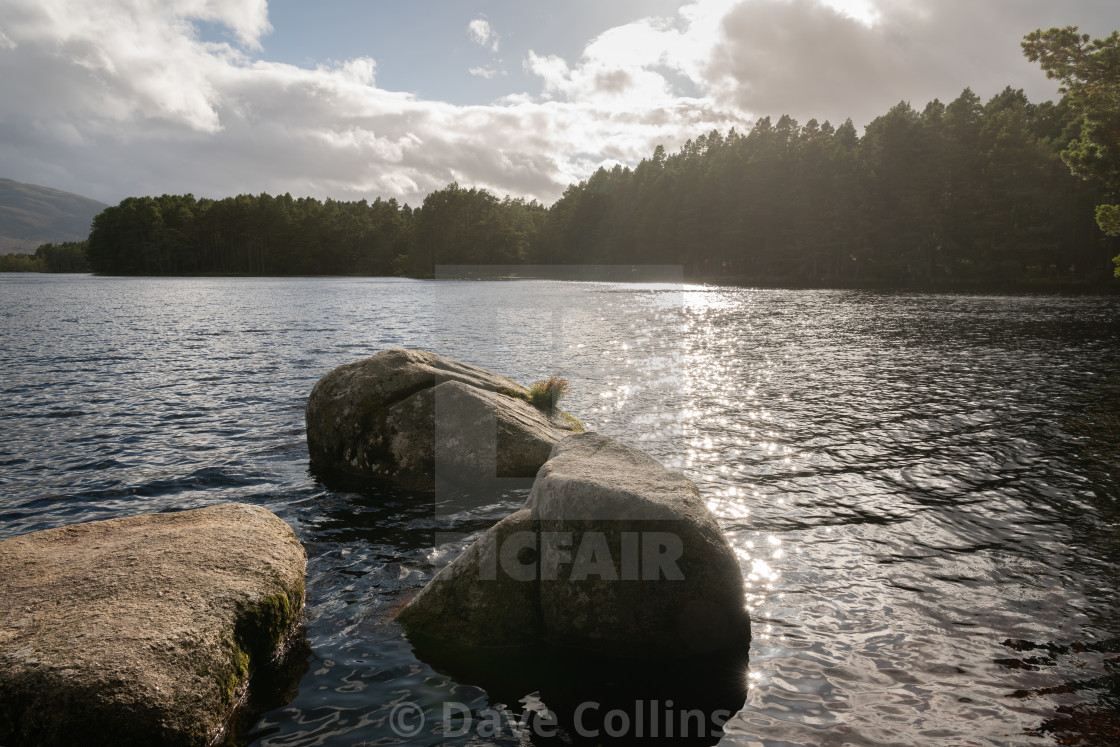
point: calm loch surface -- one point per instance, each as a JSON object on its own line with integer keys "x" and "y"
{"x": 919, "y": 486}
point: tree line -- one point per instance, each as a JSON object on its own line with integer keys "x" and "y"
{"x": 69, "y": 256}
{"x": 965, "y": 192}
{"x": 968, "y": 192}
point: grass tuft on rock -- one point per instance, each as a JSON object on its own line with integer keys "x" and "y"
{"x": 545, "y": 394}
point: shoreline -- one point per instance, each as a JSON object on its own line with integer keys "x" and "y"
{"x": 1039, "y": 287}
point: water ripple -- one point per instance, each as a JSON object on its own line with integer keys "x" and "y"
{"x": 917, "y": 486}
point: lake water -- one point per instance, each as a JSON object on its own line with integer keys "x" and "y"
{"x": 915, "y": 484}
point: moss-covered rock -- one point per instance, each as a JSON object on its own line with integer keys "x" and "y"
{"x": 142, "y": 630}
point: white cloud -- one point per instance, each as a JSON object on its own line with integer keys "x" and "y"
{"x": 121, "y": 97}
{"x": 248, "y": 19}
{"x": 117, "y": 98}
{"x": 634, "y": 65}
{"x": 485, "y": 72}
{"x": 863, "y": 11}
{"x": 837, "y": 58}
{"x": 825, "y": 59}
{"x": 617, "y": 69}
{"x": 482, "y": 34}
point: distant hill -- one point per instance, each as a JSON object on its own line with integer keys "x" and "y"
{"x": 31, "y": 215}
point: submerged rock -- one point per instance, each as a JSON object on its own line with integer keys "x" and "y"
{"x": 142, "y": 630}
{"x": 471, "y": 602}
{"x": 411, "y": 415}
{"x": 611, "y": 553}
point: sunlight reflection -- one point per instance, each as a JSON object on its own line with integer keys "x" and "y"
{"x": 724, "y": 386}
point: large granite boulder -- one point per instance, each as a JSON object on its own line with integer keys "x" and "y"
{"x": 411, "y": 415}
{"x": 611, "y": 553}
{"x": 142, "y": 630}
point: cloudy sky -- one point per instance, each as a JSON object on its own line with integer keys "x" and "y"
{"x": 366, "y": 98}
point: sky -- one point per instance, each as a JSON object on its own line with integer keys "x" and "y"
{"x": 360, "y": 99}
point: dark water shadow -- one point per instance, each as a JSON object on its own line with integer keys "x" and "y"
{"x": 369, "y": 510}
{"x": 1091, "y": 713}
{"x": 374, "y": 510}
{"x": 564, "y": 696}
{"x": 271, "y": 686}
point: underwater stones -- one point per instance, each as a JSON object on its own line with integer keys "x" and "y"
{"x": 143, "y": 629}
{"x": 611, "y": 553}
{"x": 410, "y": 415}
